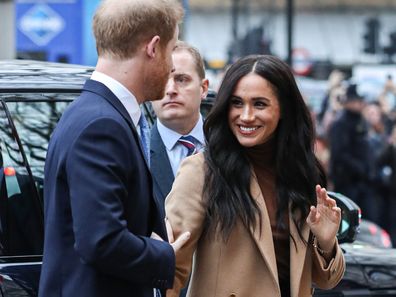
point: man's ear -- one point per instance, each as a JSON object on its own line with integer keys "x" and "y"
{"x": 152, "y": 46}
{"x": 205, "y": 87}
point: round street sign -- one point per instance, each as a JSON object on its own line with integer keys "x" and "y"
{"x": 301, "y": 61}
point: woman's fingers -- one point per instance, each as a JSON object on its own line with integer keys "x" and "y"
{"x": 321, "y": 195}
{"x": 337, "y": 209}
{"x": 323, "y": 198}
{"x": 313, "y": 215}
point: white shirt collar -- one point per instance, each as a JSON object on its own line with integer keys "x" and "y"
{"x": 127, "y": 99}
{"x": 170, "y": 137}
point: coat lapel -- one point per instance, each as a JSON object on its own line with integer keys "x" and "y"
{"x": 298, "y": 253}
{"x": 264, "y": 242}
{"x": 263, "y": 239}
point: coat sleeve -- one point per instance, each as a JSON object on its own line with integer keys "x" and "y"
{"x": 99, "y": 165}
{"x": 185, "y": 211}
{"x": 327, "y": 275}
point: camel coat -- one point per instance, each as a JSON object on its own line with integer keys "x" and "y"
{"x": 244, "y": 266}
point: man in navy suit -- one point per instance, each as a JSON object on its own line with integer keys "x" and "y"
{"x": 100, "y": 214}
{"x": 178, "y": 116}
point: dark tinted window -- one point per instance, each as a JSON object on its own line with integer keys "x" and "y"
{"x": 21, "y": 221}
{"x": 21, "y": 178}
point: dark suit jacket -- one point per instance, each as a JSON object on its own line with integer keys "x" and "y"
{"x": 99, "y": 208}
{"x": 160, "y": 167}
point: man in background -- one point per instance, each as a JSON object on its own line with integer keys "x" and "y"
{"x": 351, "y": 162}
{"x": 100, "y": 212}
{"x": 178, "y": 130}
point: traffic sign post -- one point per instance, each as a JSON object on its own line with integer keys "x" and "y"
{"x": 301, "y": 61}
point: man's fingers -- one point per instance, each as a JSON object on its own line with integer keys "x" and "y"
{"x": 156, "y": 236}
{"x": 169, "y": 231}
{"x": 181, "y": 241}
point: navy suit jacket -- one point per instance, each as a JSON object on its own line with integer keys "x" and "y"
{"x": 161, "y": 168}
{"x": 99, "y": 208}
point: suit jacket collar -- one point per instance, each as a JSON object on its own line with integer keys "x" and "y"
{"x": 127, "y": 99}
{"x": 160, "y": 165}
{"x": 101, "y": 90}
{"x": 171, "y": 137}
{"x": 264, "y": 242}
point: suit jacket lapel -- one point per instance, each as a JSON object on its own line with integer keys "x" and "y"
{"x": 101, "y": 90}
{"x": 264, "y": 238}
{"x": 298, "y": 254}
{"x": 161, "y": 167}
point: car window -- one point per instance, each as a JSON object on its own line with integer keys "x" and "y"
{"x": 20, "y": 215}
{"x": 27, "y": 122}
{"x": 35, "y": 118}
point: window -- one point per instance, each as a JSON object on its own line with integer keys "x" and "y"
{"x": 26, "y": 125}
{"x": 20, "y": 214}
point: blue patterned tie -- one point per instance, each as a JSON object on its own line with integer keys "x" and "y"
{"x": 145, "y": 137}
{"x": 188, "y": 142}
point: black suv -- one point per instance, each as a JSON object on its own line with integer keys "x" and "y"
{"x": 33, "y": 96}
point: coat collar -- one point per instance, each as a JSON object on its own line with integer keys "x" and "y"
{"x": 264, "y": 242}
{"x": 263, "y": 237}
{"x": 298, "y": 254}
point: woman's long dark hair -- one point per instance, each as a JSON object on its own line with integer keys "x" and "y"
{"x": 228, "y": 172}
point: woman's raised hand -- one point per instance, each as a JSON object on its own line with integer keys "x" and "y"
{"x": 324, "y": 219}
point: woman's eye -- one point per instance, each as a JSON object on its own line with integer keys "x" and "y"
{"x": 260, "y": 104}
{"x": 236, "y": 102}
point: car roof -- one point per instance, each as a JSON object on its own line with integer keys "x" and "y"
{"x": 21, "y": 76}
{"x": 28, "y": 75}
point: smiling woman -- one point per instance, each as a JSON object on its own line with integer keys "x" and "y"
{"x": 255, "y": 198}
{"x": 254, "y": 110}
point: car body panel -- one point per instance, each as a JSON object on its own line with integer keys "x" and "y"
{"x": 22, "y": 277}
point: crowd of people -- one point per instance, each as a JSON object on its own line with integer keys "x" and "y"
{"x": 356, "y": 145}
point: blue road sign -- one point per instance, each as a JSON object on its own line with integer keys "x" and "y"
{"x": 50, "y": 29}
{"x": 41, "y": 24}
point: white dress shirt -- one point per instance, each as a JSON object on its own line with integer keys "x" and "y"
{"x": 176, "y": 151}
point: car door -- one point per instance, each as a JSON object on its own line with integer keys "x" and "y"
{"x": 26, "y": 124}
{"x": 21, "y": 219}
